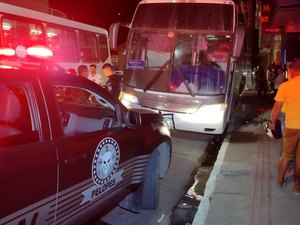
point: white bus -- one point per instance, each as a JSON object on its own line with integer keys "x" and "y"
{"x": 180, "y": 61}
{"x": 71, "y": 42}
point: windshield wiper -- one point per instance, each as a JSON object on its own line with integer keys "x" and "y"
{"x": 183, "y": 80}
{"x": 157, "y": 75}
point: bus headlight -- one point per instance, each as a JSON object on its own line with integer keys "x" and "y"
{"x": 207, "y": 114}
{"x": 128, "y": 99}
{"x": 212, "y": 114}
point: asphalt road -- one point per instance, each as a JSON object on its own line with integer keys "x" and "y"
{"x": 188, "y": 152}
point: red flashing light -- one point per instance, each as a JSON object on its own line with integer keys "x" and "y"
{"x": 8, "y": 67}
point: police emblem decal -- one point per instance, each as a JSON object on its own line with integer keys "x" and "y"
{"x": 105, "y": 161}
{"x": 104, "y": 170}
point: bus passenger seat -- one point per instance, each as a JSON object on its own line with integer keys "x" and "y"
{"x": 10, "y": 111}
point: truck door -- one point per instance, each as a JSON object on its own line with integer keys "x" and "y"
{"x": 93, "y": 148}
{"x": 28, "y": 163}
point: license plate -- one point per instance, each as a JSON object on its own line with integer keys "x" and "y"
{"x": 168, "y": 118}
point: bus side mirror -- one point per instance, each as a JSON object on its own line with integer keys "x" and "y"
{"x": 132, "y": 119}
{"x": 238, "y": 41}
{"x": 114, "y": 34}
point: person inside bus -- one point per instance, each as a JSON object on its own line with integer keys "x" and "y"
{"x": 94, "y": 76}
{"x": 113, "y": 84}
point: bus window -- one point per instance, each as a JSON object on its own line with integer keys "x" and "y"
{"x": 72, "y": 43}
{"x": 103, "y": 48}
{"x": 63, "y": 44}
{"x": 19, "y": 33}
{"x": 88, "y": 47}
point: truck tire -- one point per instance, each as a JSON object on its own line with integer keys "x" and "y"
{"x": 150, "y": 194}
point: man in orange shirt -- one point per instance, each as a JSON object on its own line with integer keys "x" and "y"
{"x": 288, "y": 94}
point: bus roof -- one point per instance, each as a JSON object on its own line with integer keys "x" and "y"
{"x": 189, "y": 1}
{"x": 28, "y": 13}
{"x": 149, "y": 14}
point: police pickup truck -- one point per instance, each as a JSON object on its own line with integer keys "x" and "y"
{"x": 69, "y": 151}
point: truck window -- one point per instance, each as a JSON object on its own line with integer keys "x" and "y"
{"x": 15, "y": 119}
{"x": 83, "y": 111}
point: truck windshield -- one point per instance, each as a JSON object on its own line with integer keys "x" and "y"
{"x": 187, "y": 63}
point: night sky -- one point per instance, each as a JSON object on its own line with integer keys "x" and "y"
{"x": 100, "y": 13}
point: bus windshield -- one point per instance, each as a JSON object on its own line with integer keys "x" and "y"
{"x": 182, "y": 62}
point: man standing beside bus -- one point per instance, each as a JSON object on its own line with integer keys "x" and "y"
{"x": 94, "y": 76}
{"x": 113, "y": 85}
{"x": 288, "y": 94}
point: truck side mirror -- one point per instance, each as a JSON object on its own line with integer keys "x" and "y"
{"x": 132, "y": 119}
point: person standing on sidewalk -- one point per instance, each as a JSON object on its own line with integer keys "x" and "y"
{"x": 288, "y": 94}
{"x": 261, "y": 81}
{"x": 279, "y": 78}
{"x": 271, "y": 75}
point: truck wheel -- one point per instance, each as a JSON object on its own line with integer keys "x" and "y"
{"x": 150, "y": 196}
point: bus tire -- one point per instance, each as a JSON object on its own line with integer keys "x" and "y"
{"x": 150, "y": 194}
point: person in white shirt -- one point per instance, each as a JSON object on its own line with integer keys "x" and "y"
{"x": 94, "y": 76}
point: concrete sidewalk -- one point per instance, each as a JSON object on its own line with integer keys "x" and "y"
{"x": 241, "y": 189}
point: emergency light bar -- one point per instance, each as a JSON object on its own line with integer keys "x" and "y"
{"x": 7, "y": 52}
{"x": 39, "y": 52}
{"x": 21, "y": 52}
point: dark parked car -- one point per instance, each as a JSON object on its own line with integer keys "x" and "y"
{"x": 69, "y": 151}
